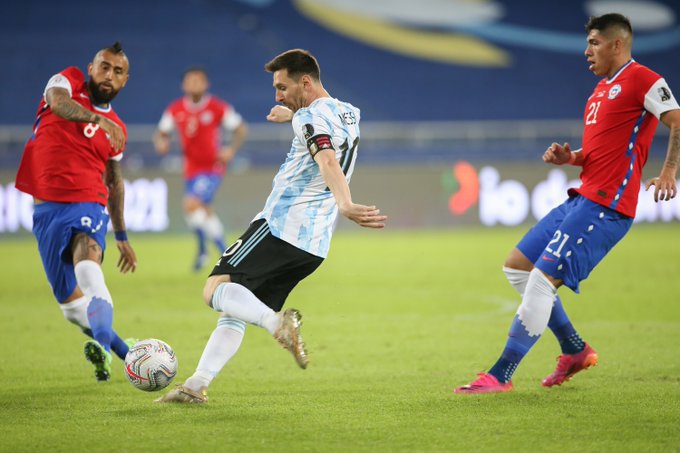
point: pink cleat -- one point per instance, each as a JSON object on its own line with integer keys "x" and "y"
{"x": 486, "y": 383}
{"x": 570, "y": 364}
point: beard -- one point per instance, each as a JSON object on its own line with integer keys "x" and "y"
{"x": 98, "y": 96}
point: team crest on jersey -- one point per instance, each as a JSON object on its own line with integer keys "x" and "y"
{"x": 614, "y": 91}
{"x": 665, "y": 94}
{"x": 206, "y": 117}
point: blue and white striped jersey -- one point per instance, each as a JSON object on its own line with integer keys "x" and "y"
{"x": 301, "y": 210}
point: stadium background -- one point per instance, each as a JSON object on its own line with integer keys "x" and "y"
{"x": 458, "y": 98}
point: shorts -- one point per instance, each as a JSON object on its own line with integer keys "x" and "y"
{"x": 54, "y": 225}
{"x": 573, "y": 238}
{"x": 266, "y": 265}
{"x": 203, "y": 186}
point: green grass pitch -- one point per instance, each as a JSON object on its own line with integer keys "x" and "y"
{"x": 393, "y": 322}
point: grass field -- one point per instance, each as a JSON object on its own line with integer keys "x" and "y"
{"x": 393, "y": 321}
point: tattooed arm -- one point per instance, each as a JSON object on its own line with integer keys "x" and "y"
{"x": 62, "y": 105}
{"x": 114, "y": 182}
{"x": 665, "y": 184}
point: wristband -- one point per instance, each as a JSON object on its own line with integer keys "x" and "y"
{"x": 572, "y": 158}
{"x": 121, "y": 235}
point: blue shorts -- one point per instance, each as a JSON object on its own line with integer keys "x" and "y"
{"x": 203, "y": 186}
{"x": 54, "y": 225}
{"x": 573, "y": 238}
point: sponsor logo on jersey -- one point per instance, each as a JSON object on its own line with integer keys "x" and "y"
{"x": 664, "y": 94}
{"x": 614, "y": 91}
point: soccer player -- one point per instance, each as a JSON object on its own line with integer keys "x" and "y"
{"x": 291, "y": 236}
{"x": 71, "y": 167}
{"x": 198, "y": 117}
{"x": 563, "y": 248}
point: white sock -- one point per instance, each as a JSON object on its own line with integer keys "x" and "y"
{"x": 239, "y": 302}
{"x": 537, "y": 303}
{"x": 196, "y": 219}
{"x": 517, "y": 278}
{"x": 221, "y": 347}
{"x": 213, "y": 228}
{"x": 76, "y": 312}
{"x": 90, "y": 279}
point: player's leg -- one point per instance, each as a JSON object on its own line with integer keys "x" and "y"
{"x": 195, "y": 216}
{"x": 205, "y": 192}
{"x": 586, "y": 245}
{"x": 75, "y": 311}
{"x": 222, "y": 345}
{"x": 538, "y": 294}
{"x": 87, "y": 255}
{"x": 214, "y": 229}
{"x": 517, "y": 268}
{"x": 251, "y": 260}
{"x": 54, "y": 227}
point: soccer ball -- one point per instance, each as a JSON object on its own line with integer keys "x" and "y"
{"x": 150, "y": 365}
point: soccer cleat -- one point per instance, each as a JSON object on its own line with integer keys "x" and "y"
{"x": 485, "y": 383}
{"x": 184, "y": 395}
{"x": 100, "y": 358}
{"x": 200, "y": 262}
{"x": 288, "y": 335}
{"x": 570, "y": 364}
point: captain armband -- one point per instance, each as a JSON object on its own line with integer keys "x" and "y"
{"x": 319, "y": 143}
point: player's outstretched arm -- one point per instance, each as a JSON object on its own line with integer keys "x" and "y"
{"x": 239, "y": 135}
{"x": 365, "y": 216}
{"x": 562, "y": 154}
{"x": 62, "y": 105}
{"x": 665, "y": 186}
{"x": 114, "y": 181}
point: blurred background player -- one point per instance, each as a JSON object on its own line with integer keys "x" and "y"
{"x": 198, "y": 118}
{"x": 565, "y": 246}
{"x": 71, "y": 166}
{"x": 291, "y": 236}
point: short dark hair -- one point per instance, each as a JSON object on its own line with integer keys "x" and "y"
{"x": 607, "y": 21}
{"x": 297, "y": 62}
{"x": 191, "y": 69}
{"x": 116, "y": 48}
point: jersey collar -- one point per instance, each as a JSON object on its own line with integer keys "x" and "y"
{"x": 191, "y": 105}
{"x": 621, "y": 69}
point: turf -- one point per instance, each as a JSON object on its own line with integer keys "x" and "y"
{"x": 393, "y": 320}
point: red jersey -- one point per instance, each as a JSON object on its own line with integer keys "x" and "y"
{"x": 64, "y": 161}
{"x": 198, "y": 127}
{"x": 619, "y": 123}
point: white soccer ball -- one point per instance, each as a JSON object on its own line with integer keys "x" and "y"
{"x": 150, "y": 365}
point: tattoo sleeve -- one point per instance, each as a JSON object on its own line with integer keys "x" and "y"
{"x": 673, "y": 155}
{"x": 62, "y": 104}
{"x": 114, "y": 182}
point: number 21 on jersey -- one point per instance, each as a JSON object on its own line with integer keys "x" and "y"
{"x": 593, "y": 108}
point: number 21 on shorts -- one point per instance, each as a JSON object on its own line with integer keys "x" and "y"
{"x": 560, "y": 238}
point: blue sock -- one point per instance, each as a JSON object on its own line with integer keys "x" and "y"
{"x": 100, "y": 316}
{"x": 518, "y": 344}
{"x": 118, "y": 346}
{"x": 221, "y": 245}
{"x": 201, "y": 241}
{"x": 570, "y": 341}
